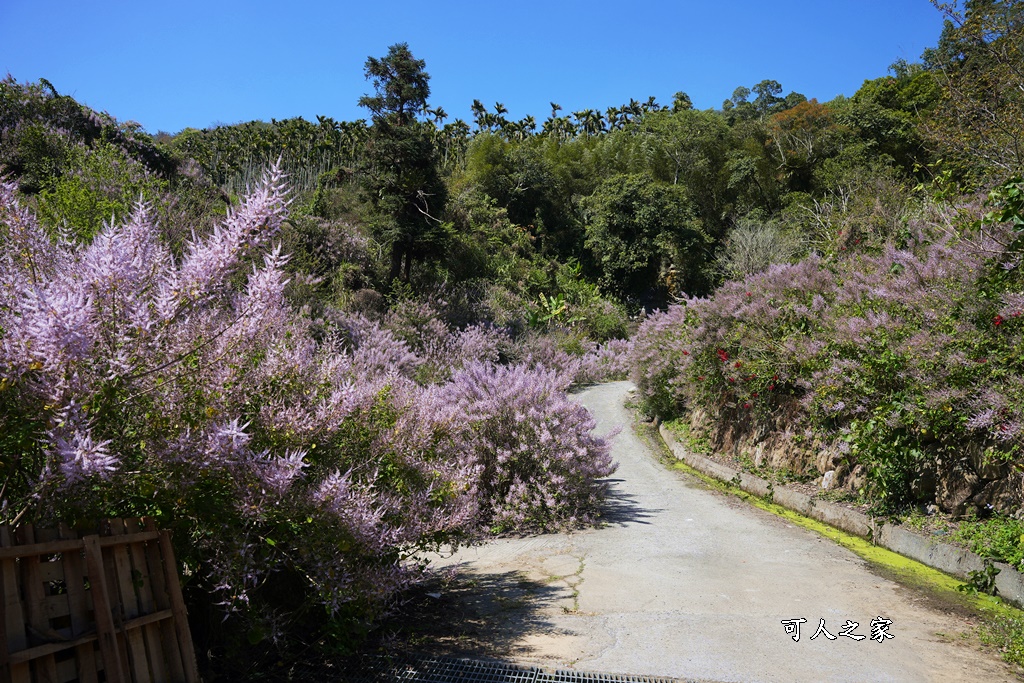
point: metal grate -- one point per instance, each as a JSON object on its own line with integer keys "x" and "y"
{"x": 423, "y": 669}
{"x": 568, "y": 676}
{"x": 408, "y": 668}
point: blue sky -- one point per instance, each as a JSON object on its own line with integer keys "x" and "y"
{"x": 173, "y": 64}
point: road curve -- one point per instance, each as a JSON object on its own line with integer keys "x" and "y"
{"x": 687, "y": 582}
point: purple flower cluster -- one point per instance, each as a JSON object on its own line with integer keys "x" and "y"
{"x": 137, "y": 381}
{"x": 576, "y": 362}
{"x": 904, "y": 339}
{"x": 537, "y": 463}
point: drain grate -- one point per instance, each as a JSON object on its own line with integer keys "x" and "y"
{"x": 444, "y": 670}
{"x": 588, "y": 677}
{"x": 422, "y": 669}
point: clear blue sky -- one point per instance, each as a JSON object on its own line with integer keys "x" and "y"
{"x": 179, "y": 63}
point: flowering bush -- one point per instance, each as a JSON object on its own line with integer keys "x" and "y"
{"x": 576, "y": 359}
{"x": 135, "y": 383}
{"x": 300, "y": 463}
{"x": 904, "y": 359}
{"x": 537, "y": 462}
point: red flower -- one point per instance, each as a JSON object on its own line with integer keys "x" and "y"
{"x": 701, "y": 378}
{"x": 981, "y": 360}
{"x": 722, "y": 355}
{"x": 749, "y": 294}
{"x": 685, "y": 352}
{"x": 775, "y": 377}
{"x": 746, "y": 405}
{"x": 732, "y": 379}
{"x": 739, "y": 364}
{"x": 771, "y": 387}
{"x": 998, "y": 320}
{"x": 754, "y": 395}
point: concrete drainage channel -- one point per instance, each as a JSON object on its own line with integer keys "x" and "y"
{"x": 942, "y": 556}
{"x": 425, "y": 669}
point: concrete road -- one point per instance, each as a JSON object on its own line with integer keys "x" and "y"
{"x": 687, "y": 582}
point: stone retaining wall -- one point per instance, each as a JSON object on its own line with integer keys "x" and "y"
{"x": 954, "y": 484}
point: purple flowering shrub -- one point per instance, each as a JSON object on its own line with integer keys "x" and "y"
{"x": 576, "y": 359}
{"x": 904, "y": 358}
{"x": 133, "y": 382}
{"x": 606, "y": 361}
{"x": 302, "y": 464}
{"x": 441, "y": 348}
{"x": 537, "y": 463}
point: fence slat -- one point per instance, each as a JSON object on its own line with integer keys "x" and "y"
{"x": 162, "y": 599}
{"x": 144, "y": 589}
{"x": 136, "y": 650}
{"x": 56, "y": 606}
{"x": 38, "y": 549}
{"x": 50, "y": 649}
{"x": 113, "y": 595}
{"x": 5, "y": 655}
{"x": 45, "y": 667}
{"x": 67, "y": 671}
{"x": 188, "y": 653}
{"x": 53, "y": 648}
{"x": 78, "y": 605}
{"x": 14, "y": 618}
{"x": 51, "y": 570}
{"x": 51, "y": 574}
{"x": 51, "y": 547}
{"x": 106, "y": 635}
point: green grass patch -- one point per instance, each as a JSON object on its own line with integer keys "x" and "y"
{"x": 997, "y": 538}
{"x": 684, "y": 432}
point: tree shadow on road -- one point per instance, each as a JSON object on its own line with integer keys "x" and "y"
{"x": 621, "y": 509}
{"x": 474, "y": 615}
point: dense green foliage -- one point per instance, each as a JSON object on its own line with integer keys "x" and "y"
{"x": 817, "y": 175}
{"x": 400, "y": 172}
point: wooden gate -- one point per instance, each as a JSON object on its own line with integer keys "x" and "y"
{"x": 94, "y": 608}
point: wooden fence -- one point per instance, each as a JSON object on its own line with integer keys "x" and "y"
{"x": 97, "y": 608}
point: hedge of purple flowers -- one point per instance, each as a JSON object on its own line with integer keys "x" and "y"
{"x": 906, "y": 359}
{"x": 302, "y": 464}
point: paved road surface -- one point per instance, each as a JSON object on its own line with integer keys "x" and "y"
{"x": 687, "y": 582}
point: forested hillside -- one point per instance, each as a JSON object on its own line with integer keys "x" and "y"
{"x": 314, "y": 349}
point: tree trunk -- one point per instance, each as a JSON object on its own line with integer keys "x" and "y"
{"x": 408, "y": 264}
{"x": 396, "y": 261}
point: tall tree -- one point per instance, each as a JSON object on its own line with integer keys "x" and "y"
{"x": 768, "y": 100}
{"x": 681, "y": 102}
{"x": 637, "y": 229}
{"x": 400, "y": 172}
{"x": 980, "y": 63}
{"x": 800, "y": 138}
